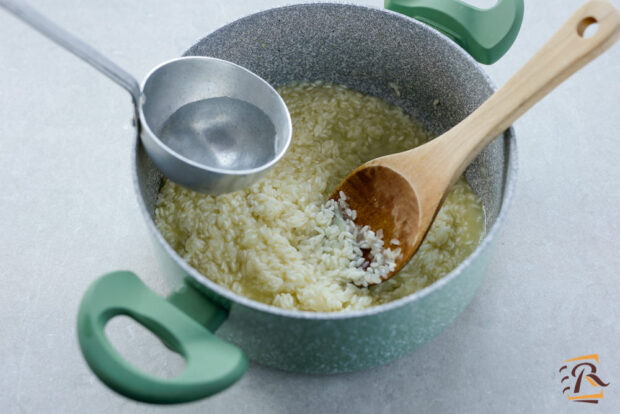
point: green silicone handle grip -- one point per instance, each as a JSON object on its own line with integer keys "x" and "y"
{"x": 484, "y": 34}
{"x": 211, "y": 364}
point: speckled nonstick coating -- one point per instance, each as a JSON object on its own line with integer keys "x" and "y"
{"x": 370, "y": 50}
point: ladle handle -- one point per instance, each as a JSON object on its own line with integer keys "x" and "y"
{"x": 74, "y": 45}
{"x": 566, "y": 52}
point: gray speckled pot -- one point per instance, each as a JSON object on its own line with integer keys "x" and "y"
{"x": 368, "y": 50}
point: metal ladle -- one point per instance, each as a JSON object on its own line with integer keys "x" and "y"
{"x": 209, "y": 125}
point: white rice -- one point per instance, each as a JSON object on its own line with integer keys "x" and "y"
{"x": 382, "y": 258}
{"x": 281, "y": 243}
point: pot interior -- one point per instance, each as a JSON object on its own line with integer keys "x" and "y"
{"x": 372, "y": 51}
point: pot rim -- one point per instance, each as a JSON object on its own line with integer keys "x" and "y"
{"x": 509, "y": 187}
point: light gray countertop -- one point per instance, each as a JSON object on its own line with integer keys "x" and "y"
{"x": 69, "y": 214}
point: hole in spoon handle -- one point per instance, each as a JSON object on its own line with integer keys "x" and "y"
{"x": 587, "y": 27}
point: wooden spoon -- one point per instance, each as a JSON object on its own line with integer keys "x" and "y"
{"x": 402, "y": 193}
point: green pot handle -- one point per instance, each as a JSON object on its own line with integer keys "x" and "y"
{"x": 211, "y": 364}
{"x": 485, "y": 34}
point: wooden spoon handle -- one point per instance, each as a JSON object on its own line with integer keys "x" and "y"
{"x": 565, "y": 53}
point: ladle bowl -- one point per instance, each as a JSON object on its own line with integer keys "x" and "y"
{"x": 240, "y": 129}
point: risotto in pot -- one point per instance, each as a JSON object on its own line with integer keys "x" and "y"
{"x": 280, "y": 243}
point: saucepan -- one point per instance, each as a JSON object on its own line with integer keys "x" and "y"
{"x": 369, "y": 50}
